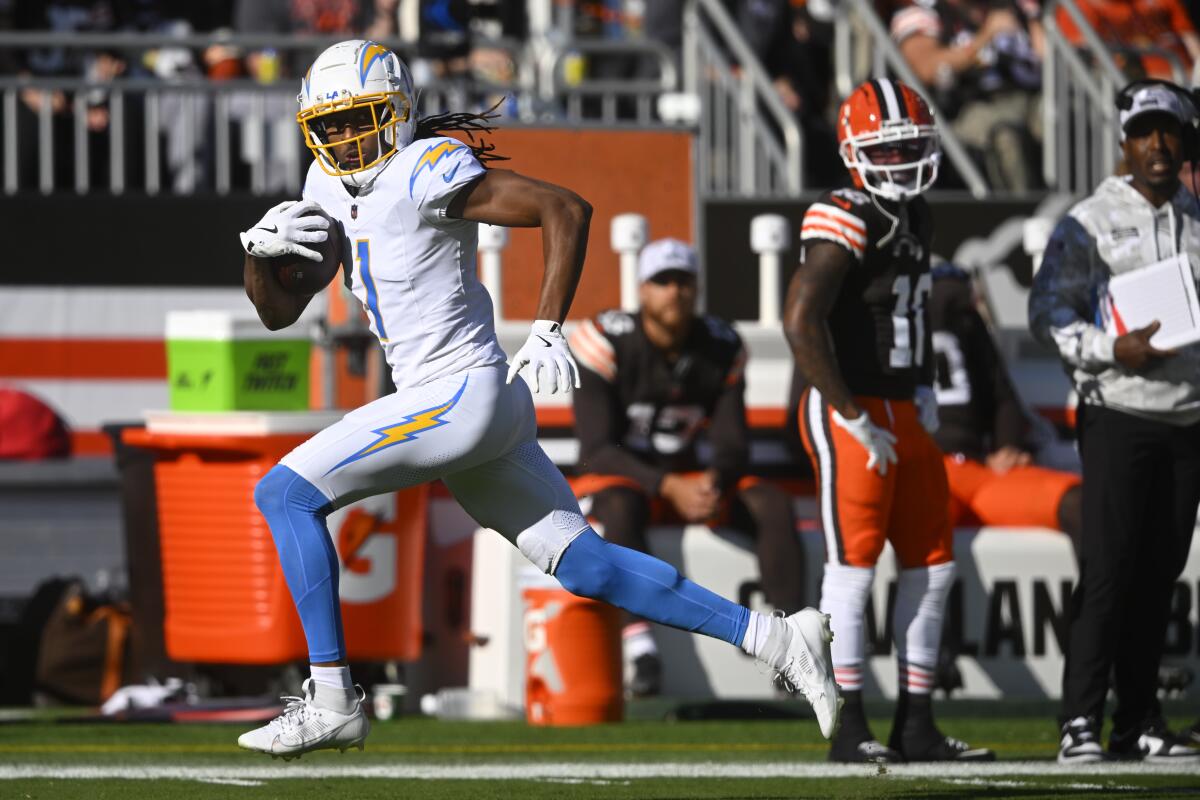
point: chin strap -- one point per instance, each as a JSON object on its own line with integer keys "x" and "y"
{"x": 895, "y": 218}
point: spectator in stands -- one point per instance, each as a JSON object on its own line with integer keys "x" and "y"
{"x": 275, "y": 143}
{"x": 1147, "y": 35}
{"x": 63, "y": 17}
{"x": 1138, "y": 426}
{"x": 985, "y": 431}
{"x": 652, "y": 383}
{"x": 982, "y": 61}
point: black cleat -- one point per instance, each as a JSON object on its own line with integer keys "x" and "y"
{"x": 942, "y": 748}
{"x": 866, "y": 751}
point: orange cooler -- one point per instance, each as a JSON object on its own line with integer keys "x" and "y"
{"x": 573, "y": 659}
{"x": 226, "y": 600}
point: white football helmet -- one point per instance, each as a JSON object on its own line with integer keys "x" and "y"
{"x": 371, "y": 91}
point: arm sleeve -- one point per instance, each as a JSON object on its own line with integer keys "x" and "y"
{"x": 1063, "y": 306}
{"x": 599, "y": 422}
{"x": 442, "y": 169}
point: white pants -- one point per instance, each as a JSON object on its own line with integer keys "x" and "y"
{"x": 474, "y": 432}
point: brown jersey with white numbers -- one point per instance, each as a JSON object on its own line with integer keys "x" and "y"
{"x": 879, "y": 322}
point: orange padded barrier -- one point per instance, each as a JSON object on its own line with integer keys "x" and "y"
{"x": 225, "y": 597}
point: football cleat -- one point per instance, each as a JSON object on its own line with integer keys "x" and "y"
{"x": 798, "y": 649}
{"x": 1154, "y": 744}
{"x": 944, "y": 748}
{"x": 305, "y": 726}
{"x": 1080, "y": 743}
{"x": 868, "y": 751}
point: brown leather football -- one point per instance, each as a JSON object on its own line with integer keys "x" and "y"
{"x": 300, "y": 276}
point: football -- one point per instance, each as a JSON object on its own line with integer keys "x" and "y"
{"x": 300, "y": 276}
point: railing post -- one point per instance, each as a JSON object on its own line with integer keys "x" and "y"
{"x": 492, "y": 240}
{"x": 769, "y": 235}
{"x": 628, "y": 236}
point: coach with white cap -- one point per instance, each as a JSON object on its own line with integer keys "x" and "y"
{"x": 1138, "y": 423}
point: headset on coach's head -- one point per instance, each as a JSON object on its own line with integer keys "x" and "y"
{"x": 1191, "y": 103}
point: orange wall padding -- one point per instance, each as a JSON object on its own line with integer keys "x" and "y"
{"x": 618, "y": 172}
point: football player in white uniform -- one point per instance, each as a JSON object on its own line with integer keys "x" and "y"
{"x": 407, "y": 202}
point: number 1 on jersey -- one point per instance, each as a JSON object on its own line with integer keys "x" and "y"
{"x": 362, "y": 254}
{"x": 908, "y": 322}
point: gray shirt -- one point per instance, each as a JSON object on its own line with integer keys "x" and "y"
{"x": 1116, "y": 230}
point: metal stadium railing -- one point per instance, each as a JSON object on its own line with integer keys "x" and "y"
{"x": 750, "y": 144}
{"x": 864, "y": 47}
{"x": 195, "y": 133}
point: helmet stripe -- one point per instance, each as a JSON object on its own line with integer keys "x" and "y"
{"x": 886, "y": 93}
{"x": 901, "y": 99}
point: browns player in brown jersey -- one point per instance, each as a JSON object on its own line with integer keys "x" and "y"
{"x": 859, "y": 330}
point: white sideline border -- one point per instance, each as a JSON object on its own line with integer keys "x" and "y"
{"x": 574, "y": 771}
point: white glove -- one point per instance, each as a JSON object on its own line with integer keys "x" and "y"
{"x": 880, "y": 443}
{"x": 283, "y": 228}
{"x": 927, "y": 408}
{"x": 547, "y": 347}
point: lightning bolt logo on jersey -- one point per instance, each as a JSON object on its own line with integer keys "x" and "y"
{"x": 429, "y": 161}
{"x": 412, "y": 267}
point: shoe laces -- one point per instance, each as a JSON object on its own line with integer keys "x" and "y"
{"x": 957, "y": 744}
{"x": 294, "y": 712}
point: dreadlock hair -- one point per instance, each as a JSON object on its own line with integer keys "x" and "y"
{"x": 464, "y": 122}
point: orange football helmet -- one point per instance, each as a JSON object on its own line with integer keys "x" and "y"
{"x": 888, "y": 139}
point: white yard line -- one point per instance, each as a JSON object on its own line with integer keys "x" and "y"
{"x": 572, "y": 771}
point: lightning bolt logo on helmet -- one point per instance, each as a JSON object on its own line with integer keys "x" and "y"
{"x": 363, "y": 86}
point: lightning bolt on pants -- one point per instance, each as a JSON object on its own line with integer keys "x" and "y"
{"x": 477, "y": 434}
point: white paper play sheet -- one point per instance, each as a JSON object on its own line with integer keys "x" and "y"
{"x": 1164, "y": 291}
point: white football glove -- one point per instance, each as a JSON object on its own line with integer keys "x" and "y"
{"x": 547, "y": 348}
{"x": 927, "y": 409}
{"x": 880, "y": 443}
{"x": 284, "y": 228}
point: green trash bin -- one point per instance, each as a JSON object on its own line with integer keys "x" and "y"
{"x": 222, "y": 361}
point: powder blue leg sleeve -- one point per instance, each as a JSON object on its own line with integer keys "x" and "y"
{"x": 296, "y": 511}
{"x": 647, "y": 587}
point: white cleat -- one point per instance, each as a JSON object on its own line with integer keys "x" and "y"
{"x": 304, "y": 726}
{"x": 803, "y": 663}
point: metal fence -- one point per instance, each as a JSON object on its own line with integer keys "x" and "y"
{"x": 189, "y": 133}
{"x": 863, "y": 48}
{"x": 750, "y": 144}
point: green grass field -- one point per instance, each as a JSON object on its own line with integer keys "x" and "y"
{"x": 427, "y": 758}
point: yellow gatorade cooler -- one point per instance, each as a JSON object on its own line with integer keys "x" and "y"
{"x": 573, "y": 659}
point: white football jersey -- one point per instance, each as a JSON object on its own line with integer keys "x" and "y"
{"x": 411, "y": 266}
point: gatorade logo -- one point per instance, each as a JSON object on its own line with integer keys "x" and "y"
{"x": 367, "y": 551}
